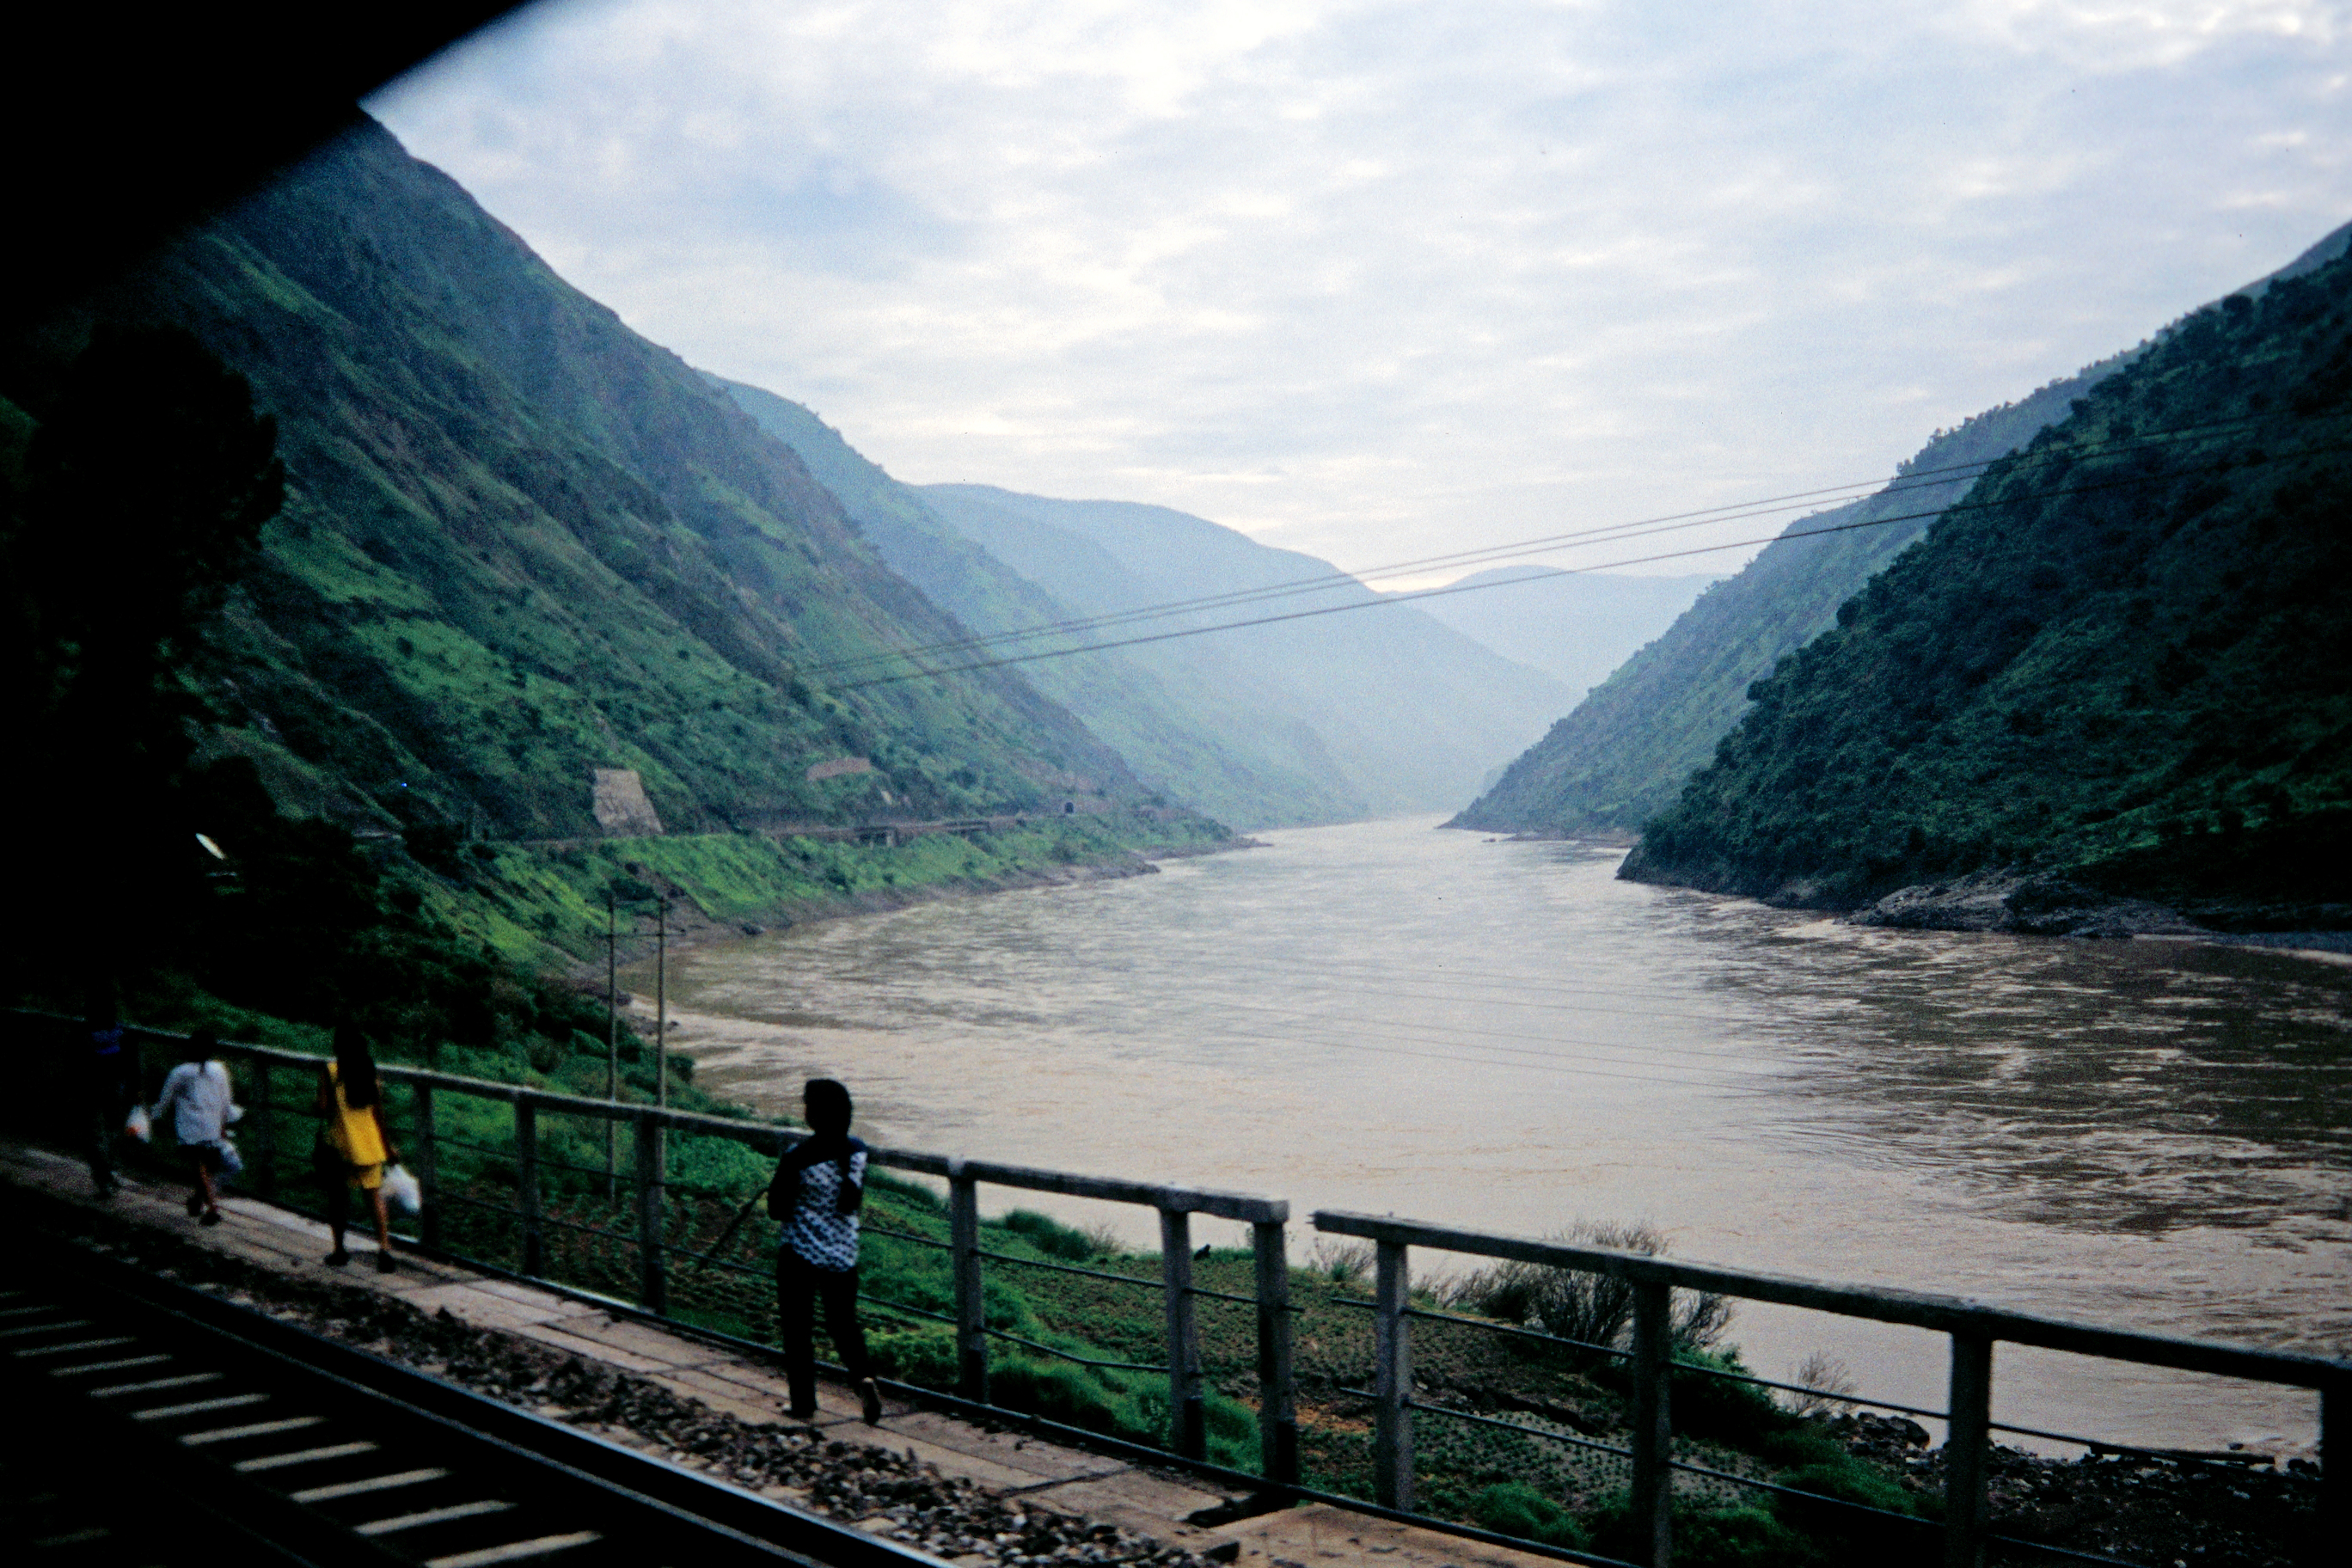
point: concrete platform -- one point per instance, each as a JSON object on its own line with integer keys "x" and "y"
{"x": 1066, "y": 1478}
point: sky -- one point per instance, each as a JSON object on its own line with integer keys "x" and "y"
{"x": 1377, "y": 280}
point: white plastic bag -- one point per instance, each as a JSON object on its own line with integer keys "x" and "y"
{"x": 137, "y": 1125}
{"x": 403, "y": 1193}
{"x": 232, "y": 1163}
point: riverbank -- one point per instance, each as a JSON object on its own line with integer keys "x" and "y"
{"x": 546, "y": 907}
{"x": 2032, "y": 904}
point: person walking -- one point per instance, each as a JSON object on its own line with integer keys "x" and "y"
{"x": 353, "y": 1146}
{"x": 818, "y": 1188}
{"x": 197, "y": 1098}
{"x": 110, "y": 1066}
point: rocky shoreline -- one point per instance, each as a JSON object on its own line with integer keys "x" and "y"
{"x": 2130, "y": 1506}
{"x": 2030, "y": 904}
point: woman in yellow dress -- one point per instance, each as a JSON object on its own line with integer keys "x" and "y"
{"x": 354, "y": 1144}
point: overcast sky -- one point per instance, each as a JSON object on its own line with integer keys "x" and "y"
{"x": 1381, "y": 280}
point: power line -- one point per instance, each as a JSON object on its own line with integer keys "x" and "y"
{"x": 1914, "y": 480}
{"x": 920, "y": 674}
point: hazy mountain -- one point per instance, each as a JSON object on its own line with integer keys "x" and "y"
{"x": 1575, "y": 627}
{"x": 520, "y": 542}
{"x": 1386, "y": 704}
{"x": 2122, "y": 663}
{"x": 1202, "y": 759}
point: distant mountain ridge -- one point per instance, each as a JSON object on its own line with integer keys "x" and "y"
{"x": 1621, "y": 756}
{"x": 1385, "y": 705}
{"x": 1208, "y": 765}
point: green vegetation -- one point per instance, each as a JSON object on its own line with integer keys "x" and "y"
{"x": 520, "y": 543}
{"x": 1621, "y": 755}
{"x": 2121, "y": 663}
{"x": 367, "y": 606}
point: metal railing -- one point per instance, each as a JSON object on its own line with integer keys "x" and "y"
{"x": 654, "y": 1229}
{"x": 651, "y": 1232}
{"x": 1974, "y": 1329}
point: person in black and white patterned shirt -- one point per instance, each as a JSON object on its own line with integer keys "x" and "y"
{"x": 819, "y": 1186}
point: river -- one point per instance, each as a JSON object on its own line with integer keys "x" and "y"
{"x": 2150, "y": 1134}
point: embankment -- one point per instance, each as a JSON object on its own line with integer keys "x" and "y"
{"x": 546, "y": 907}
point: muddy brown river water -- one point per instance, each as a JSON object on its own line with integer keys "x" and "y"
{"x": 1384, "y": 1016}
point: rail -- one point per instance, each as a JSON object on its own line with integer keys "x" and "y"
{"x": 294, "y": 1448}
{"x": 1974, "y": 1329}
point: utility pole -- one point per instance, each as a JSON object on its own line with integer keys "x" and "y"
{"x": 612, "y": 1047}
{"x": 661, "y": 1001}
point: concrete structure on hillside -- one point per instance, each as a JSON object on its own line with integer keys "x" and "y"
{"x": 621, "y": 807}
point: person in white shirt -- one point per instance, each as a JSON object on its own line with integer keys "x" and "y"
{"x": 197, "y": 1098}
{"x": 818, "y": 1188}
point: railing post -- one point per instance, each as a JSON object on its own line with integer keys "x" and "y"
{"x": 264, "y": 1158}
{"x": 428, "y": 1167}
{"x": 2334, "y": 1520}
{"x": 971, "y": 1308}
{"x": 1966, "y": 1509}
{"x": 1188, "y": 1427}
{"x": 1654, "y": 1430}
{"x": 1277, "y": 1415}
{"x": 1392, "y": 1378}
{"x": 653, "y": 1275}
{"x": 526, "y": 1132}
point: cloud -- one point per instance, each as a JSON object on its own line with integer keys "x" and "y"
{"x": 1377, "y": 280}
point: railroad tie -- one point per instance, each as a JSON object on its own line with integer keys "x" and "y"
{"x": 423, "y": 1517}
{"x": 372, "y": 1484}
{"x": 514, "y": 1551}
{"x": 303, "y": 1456}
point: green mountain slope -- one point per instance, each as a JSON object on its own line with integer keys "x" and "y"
{"x": 2123, "y": 662}
{"x": 1209, "y": 767}
{"x": 1622, "y": 755}
{"x": 521, "y": 543}
{"x": 1386, "y": 706}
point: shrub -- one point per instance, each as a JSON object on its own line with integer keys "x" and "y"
{"x": 1574, "y": 1304}
{"x": 1052, "y": 1237}
{"x": 1517, "y": 1509}
{"x": 1746, "y": 1537}
{"x": 924, "y": 1355}
{"x": 1831, "y": 1381}
{"x": 1342, "y": 1262}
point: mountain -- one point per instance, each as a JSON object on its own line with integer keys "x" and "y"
{"x": 1194, "y": 758}
{"x": 1575, "y": 627}
{"x": 1621, "y": 757}
{"x": 521, "y": 543}
{"x": 1386, "y": 705}
{"x": 2119, "y": 668}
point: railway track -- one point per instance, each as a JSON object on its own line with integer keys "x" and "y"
{"x": 146, "y": 1423}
